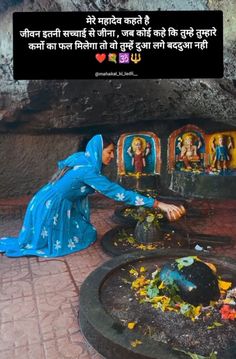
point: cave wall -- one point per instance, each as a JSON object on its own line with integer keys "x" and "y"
{"x": 30, "y": 159}
{"x": 32, "y": 106}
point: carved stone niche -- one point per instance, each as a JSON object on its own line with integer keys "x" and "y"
{"x": 139, "y": 160}
{"x": 186, "y": 150}
{"x": 201, "y": 165}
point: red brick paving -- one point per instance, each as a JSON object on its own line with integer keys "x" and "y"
{"x": 39, "y": 297}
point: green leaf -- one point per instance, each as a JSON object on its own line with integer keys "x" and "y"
{"x": 152, "y": 292}
{"x": 180, "y": 266}
{"x": 185, "y": 261}
{"x": 216, "y": 324}
{"x": 141, "y": 301}
{"x": 131, "y": 240}
{"x": 212, "y": 355}
{"x": 150, "y": 218}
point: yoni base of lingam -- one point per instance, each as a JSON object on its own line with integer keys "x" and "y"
{"x": 182, "y": 302}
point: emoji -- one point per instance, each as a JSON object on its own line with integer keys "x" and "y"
{"x": 100, "y": 57}
{"x": 136, "y": 58}
{"x": 124, "y": 57}
{"x": 112, "y": 57}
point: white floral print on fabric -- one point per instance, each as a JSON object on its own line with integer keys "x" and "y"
{"x": 120, "y": 196}
{"x": 57, "y": 245}
{"x": 48, "y": 204}
{"x": 44, "y": 233}
{"x": 55, "y": 219}
{"x": 139, "y": 201}
{"x": 71, "y": 244}
{"x": 28, "y": 246}
{"x": 76, "y": 224}
{"x": 83, "y": 189}
{"x": 23, "y": 229}
{"x": 76, "y": 239}
{"x": 68, "y": 214}
{"x": 87, "y": 154}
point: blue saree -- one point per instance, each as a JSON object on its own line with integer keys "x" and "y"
{"x": 57, "y": 219}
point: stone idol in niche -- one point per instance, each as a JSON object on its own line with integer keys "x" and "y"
{"x": 221, "y": 148}
{"x": 138, "y": 154}
{"x": 139, "y": 160}
{"x": 138, "y": 151}
{"x": 189, "y": 152}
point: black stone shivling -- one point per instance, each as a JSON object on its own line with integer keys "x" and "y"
{"x": 197, "y": 283}
{"x": 108, "y": 304}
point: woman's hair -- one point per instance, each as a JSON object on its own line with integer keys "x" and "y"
{"x": 107, "y": 141}
{"x": 84, "y": 141}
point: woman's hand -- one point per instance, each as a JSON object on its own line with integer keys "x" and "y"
{"x": 173, "y": 212}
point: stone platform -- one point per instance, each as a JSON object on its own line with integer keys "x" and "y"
{"x": 39, "y": 297}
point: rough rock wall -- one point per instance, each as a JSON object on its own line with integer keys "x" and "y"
{"x": 30, "y": 108}
{"x": 36, "y": 105}
{"x": 30, "y": 161}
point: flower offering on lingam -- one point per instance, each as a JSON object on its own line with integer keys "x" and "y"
{"x": 151, "y": 231}
{"x": 148, "y": 229}
{"x": 188, "y": 286}
{"x": 195, "y": 282}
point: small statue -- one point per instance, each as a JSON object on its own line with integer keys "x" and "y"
{"x": 221, "y": 152}
{"x": 139, "y": 150}
{"x": 188, "y": 150}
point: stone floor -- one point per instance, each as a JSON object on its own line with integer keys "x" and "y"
{"x": 39, "y": 297}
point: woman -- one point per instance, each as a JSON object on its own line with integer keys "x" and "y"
{"x": 57, "y": 220}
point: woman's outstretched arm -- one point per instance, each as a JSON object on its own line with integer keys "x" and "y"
{"x": 112, "y": 190}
